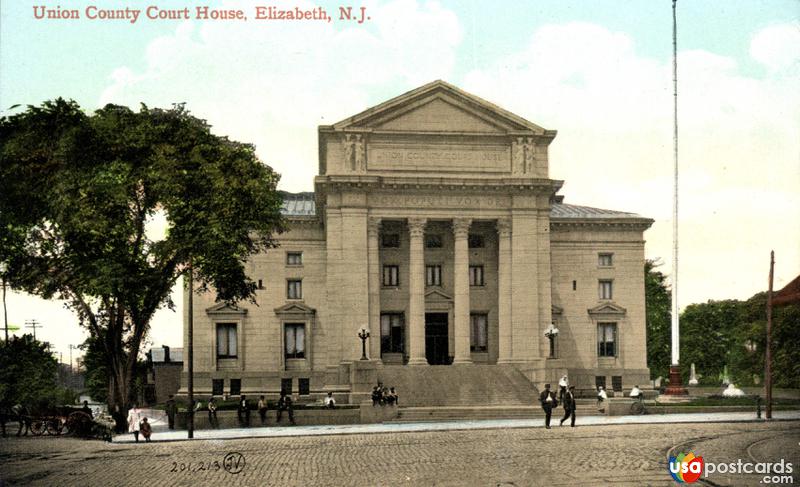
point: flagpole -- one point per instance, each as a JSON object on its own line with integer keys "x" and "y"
{"x": 675, "y": 381}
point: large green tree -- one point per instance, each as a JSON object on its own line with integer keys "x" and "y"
{"x": 732, "y": 333}
{"x": 658, "y": 302}
{"x": 28, "y": 375}
{"x": 79, "y": 193}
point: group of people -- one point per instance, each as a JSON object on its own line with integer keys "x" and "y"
{"x": 137, "y": 423}
{"x": 566, "y": 396}
{"x": 382, "y": 396}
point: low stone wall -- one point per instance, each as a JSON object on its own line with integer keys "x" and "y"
{"x": 229, "y": 419}
{"x": 307, "y": 417}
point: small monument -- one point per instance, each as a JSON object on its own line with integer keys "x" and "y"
{"x": 692, "y": 376}
{"x": 724, "y": 377}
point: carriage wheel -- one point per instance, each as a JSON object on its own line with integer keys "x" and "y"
{"x": 37, "y": 427}
{"x": 79, "y": 423}
{"x": 637, "y": 408}
{"x": 54, "y": 426}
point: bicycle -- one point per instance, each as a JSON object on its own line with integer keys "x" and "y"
{"x": 638, "y": 407}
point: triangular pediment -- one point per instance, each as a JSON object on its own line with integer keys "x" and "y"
{"x": 436, "y": 295}
{"x": 294, "y": 308}
{"x": 226, "y": 308}
{"x": 439, "y": 107}
{"x": 607, "y": 309}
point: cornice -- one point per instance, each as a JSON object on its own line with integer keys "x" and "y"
{"x": 590, "y": 223}
{"x": 439, "y": 184}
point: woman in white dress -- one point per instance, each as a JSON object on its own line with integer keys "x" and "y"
{"x": 134, "y": 418}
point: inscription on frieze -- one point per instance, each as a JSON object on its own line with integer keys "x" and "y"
{"x": 494, "y": 159}
{"x": 438, "y": 201}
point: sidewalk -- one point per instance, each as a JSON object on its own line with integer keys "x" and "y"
{"x": 278, "y": 431}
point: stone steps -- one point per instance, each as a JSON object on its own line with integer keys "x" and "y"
{"x": 460, "y": 385}
{"x": 476, "y": 413}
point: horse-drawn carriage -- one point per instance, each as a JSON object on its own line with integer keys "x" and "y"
{"x": 63, "y": 420}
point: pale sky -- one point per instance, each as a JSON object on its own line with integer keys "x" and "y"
{"x": 599, "y": 72}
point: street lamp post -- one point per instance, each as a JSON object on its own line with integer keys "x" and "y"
{"x": 551, "y": 333}
{"x": 363, "y": 335}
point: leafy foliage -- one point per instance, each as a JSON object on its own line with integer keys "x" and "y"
{"x": 733, "y": 333}
{"x": 28, "y": 375}
{"x": 78, "y": 193}
{"x": 658, "y": 302}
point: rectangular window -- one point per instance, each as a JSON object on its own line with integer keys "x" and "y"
{"x": 286, "y": 386}
{"x": 476, "y": 275}
{"x": 294, "y": 289}
{"x": 390, "y": 240}
{"x": 475, "y": 241}
{"x": 605, "y": 260}
{"x": 606, "y": 289}
{"x": 479, "y": 332}
{"x": 433, "y": 275}
{"x": 391, "y": 276}
{"x": 216, "y": 386}
{"x": 433, "y": 241}
{"x": 304, "y": 386}
{"x": 607, "y": 339}
{"x": 392, "y": 333}
{"x": 295, "y": 340}
{"x": 236, "y": 387}
{"x": 616, "y": 383}
{"x": 600, "y": 381}
{"x": 226, "y": 340}
{"x": 294, "y": 258}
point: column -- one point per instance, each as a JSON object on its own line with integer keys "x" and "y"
{"x": 373, "y": 256}
{"x": 504, "y": 290}
{"x": 461, "y": 291}
{"x": 416, "y": 292}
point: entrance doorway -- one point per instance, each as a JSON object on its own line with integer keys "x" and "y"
{"x": 436, "y": 349}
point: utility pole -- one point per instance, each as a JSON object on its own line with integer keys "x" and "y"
{"x": 190, "y": 353}
{"x": 71, "y": 348}
{"x": 34, "y": 325}
{"x": 5, "y": 310}
{"x": 768, "y": 365}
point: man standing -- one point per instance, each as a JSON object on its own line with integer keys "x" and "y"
{"x": 285, "y": 404}
{"x": 548, "y": 400}
{"x": 262, "y": 410}
{"x": 243, "y": 412}
{"x": 569, "y": 406}
{"x": 171, "y": 409}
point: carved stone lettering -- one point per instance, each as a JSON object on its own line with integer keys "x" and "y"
{"x": 420, "y": 159}
{"x": 438, "y": 201}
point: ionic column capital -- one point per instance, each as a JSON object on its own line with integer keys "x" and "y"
{"x": 461, "y": 227}
{"x": 416, "y": 226}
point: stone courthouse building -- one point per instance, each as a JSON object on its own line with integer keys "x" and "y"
{"x": 434, "y": 224}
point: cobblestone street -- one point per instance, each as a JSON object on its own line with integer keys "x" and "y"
{"x": 589, "y": 455}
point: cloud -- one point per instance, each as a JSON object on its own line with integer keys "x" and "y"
{"x": 272, "y": 82}
{"x": 777, "y": 47}
{"x": 740, "y": 172}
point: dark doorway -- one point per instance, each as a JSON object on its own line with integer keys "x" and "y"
{"x": 436, "y": 338}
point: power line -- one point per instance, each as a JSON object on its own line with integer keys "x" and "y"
{"x": 33, "y": 324}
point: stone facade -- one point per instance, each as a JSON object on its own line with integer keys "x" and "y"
{"x": 434, "y": 225}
